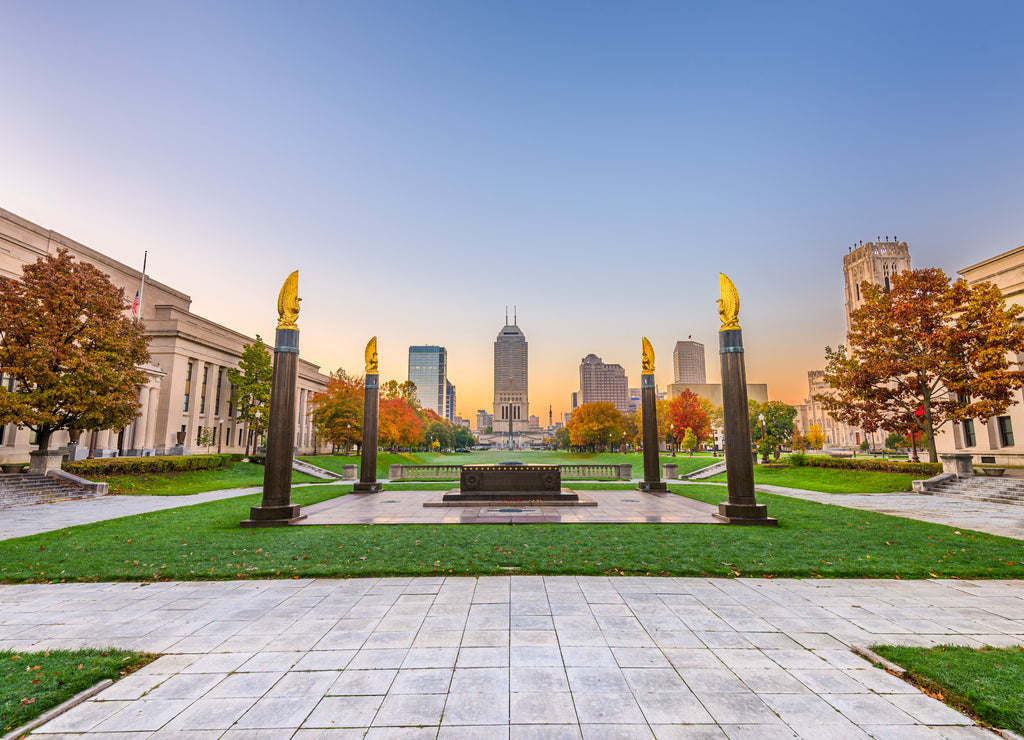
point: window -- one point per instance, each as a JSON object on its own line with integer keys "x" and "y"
{"x": 202, "y": 392}
{"x": 1005, "y": 431}
{"x": 188, "y": 386}
{"x": 231, "y": 400}
{"x": 227, "y": 438}
{"x": 969, "y": 438}
{"x": 220, "y": 382}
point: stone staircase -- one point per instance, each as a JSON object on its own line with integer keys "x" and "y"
{"x": 19, "y": 489}
{"x": 982, "y": 488}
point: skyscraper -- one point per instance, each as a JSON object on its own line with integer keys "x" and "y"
{"x": 688, "y": 362}
{"x": 511, "y": 388}
{"x": 601, "y": 381}
{"x": 428, "y": 369}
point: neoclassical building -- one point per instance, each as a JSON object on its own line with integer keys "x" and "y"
{"x": 188, "y": 389}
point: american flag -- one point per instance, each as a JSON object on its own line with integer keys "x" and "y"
{"x": 135, "y": 305}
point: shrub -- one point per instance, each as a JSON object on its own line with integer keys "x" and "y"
{"x": 884, "y": 466}
{"x": 109, "y": 466}
{"x": 258, "y": 459}
{"x": 799, "y": 459}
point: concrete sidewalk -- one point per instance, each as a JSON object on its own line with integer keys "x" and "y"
{"x": 511, "y": 657}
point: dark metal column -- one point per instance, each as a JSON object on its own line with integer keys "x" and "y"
{"x": 368, "y": 458}
{"x": 649, "y": 412}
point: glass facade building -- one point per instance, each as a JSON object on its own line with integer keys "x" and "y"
{"x": 428, "y": 369}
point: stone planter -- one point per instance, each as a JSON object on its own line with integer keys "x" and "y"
{"x": 43, "y": 461}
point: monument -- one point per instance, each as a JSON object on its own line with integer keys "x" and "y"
{"x": 368, "y": 452}
{"x": 277, "y": 509}
{"x": 511, "y": 482}
{"x": 652, "y": 482}
{"x": 742, "y": 506}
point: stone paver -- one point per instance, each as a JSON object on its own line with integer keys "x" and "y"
{"x": 662, "y": 657}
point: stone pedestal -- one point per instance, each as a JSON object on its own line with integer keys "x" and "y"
{"x": 349, "y": 472}
{"x": 670, "y": 471}
{"x": 649, "y": 405}
{"x": 368, "y": 452}
{"x": 742, "y": 506}
{"x": 43, "y": 461}
{"x": 277, "y": 509}
{"x": 75, "y": 452}
{"x": 958, "y": 463}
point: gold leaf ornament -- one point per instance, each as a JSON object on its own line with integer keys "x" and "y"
{"x": 647, "y": 364}
{"x": 371, "y": 357}
{"x": 728, "y": 304}
{"x": 288, "y": 303}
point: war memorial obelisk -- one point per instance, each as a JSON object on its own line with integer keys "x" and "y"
{"x": 742, "y": 506}
{"x": 368, "y": 451}
{"x": 652, "y": 482}
{"x": 277, "y": 509}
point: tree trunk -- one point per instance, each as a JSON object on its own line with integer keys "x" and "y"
{"x": 43, "y": 437}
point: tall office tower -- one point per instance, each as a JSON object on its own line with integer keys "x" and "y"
{"x": 511, "y": 390}
{"x": 688, "y": 363}
{"x": 428, "y": 369}
{"x": 600, "y": 381}
{"x": 449, "y": 401}
{"x": 874, "y": 262}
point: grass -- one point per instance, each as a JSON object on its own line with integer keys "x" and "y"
{"x": 236, "y": 475}
{"x": 686, "y": 463}
{"x": 828, "y": 480}
{"x": 987, "y": 683}
{"x": 205, "y": 542}
{"x": 33, "y": 683}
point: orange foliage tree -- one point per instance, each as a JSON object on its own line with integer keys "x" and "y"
{"x": 338, "y": 410}
{"x": 923, "y": 353}
{"x": 595, "y": 424}
{"x": 398, "y": 424}
{"x": 686, "y": 411}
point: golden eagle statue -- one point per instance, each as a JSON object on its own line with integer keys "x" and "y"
{"x": 728, "y": 304}
{"x": 288, "y": 303}
{"x": 647, "y": 364}
{"x": 371, "y": 357}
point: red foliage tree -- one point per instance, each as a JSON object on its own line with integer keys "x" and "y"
{"x": 686, "y": 411}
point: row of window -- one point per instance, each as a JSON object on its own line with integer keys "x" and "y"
{"x": 202, "y": 396}
{"x": 1003, "y": 425}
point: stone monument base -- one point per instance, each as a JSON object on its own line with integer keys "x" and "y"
{"x": 564, "y": 497}
{"x": 751, "y": 515}
{"x": 652, "y": 487}
{"x": 368, "y": 487}
{"x": 273, "y": 516}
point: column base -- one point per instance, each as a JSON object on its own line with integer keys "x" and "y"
{"x": 272, "y": 516}
{"x": 367, "y": 487}
{"x": 652, "y": 487}
{"x": 751, "y": 515}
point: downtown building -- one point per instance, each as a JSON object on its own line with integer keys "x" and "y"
{"x": 603, "y": 382}
{"x": 428, "y": 369}
{"x": 688, "y": 363}
{"x": 511, "y": 380}
{"x": 187, "y": 389}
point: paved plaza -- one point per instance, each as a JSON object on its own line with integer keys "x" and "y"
{"x": 511, "y": 657}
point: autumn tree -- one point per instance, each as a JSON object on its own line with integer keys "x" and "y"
{"x": 689, "y": 441}
{"x": 685, "y": 412}
{"x": 338, "y": 410}
{"x": 73, "y": 353}
{"x": 924, "y": 353}
{"x": 815, "y": 437}
{"x": 594, "y": 424}
{"x": 250, "y": 384}
{"x": 406, "y": 390}
{"x": 398, "y": 425}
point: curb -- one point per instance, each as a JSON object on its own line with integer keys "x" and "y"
{"x": 46, "y": 716}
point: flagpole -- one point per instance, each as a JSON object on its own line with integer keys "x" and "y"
{"x": 142, "y": 286}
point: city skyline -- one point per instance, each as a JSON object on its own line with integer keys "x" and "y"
{"x": 423, "y": 165}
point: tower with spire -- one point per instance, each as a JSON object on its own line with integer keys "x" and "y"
{"x": 511, "y": 381}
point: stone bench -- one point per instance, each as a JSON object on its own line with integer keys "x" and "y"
{"x": 993, "y": 472}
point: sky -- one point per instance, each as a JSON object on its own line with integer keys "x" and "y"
{"x": 425, "y": 164}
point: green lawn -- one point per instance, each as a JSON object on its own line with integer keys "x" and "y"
{"x": 32, "y": 683}
{"x": 205, "y": 542}
{"x": 236, "y": 475}
{"x": 686, "y": 463}
{"x": 829, "y": 480}
{"x": 987, "y": 683}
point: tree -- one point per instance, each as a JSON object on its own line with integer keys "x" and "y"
{"x": 392, "y": 389}
{"x": 204, "y": 437}
{"x": 338, "y": 409}
{"x": 687, "y": 414}
{"x": 397, "y": 424}
{"x": 250, "y": 384}
{"x": 815, "y": 437}
{"x": 562, "y": 438}
{"x": 464, "y": 438}
{"x": 924, "y": 353}
{"x": 73, "y": 353}
{"x": 595, "y": 424}
{"x": 689, "y": 441}
{"x": 895, "y": 441}
{"x": 779, "y": 421}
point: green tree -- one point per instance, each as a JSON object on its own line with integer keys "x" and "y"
{"x": 464, "y": 438}
{"x": 250, "y": 384}
{"x": 923, "y": 353}
{"x": 779, "y": 422}
{"x": 562, "y": 438}
{"x": 74, "y": 354}
{"x": 204, "y": 437}
{"x": 689, "y": 441}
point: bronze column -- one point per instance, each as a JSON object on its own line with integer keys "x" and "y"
{"x": 368, "y": 457}
{"x": 649, "y": 412}
{"x": 277, "y": 510}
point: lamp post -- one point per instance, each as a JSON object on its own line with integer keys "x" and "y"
{"x": 220, "y": 434}
{"x": 764, "y": 448}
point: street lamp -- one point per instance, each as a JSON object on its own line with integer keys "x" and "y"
{"x": 764, "y": 447}
{"x": 672, "y": 427}
{"x": 220, "y": 434}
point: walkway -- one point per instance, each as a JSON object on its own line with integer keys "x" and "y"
{"x": 512, "y": 657}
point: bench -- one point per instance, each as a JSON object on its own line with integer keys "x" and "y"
{"x": 993, "y": 472}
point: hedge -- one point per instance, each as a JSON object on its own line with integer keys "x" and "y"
{"x": 106, "y": 466}
{"x": 848, "y": 463}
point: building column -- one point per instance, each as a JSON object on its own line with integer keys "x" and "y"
{"x": 150, "y": 430}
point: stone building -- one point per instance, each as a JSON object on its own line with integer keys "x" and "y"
{"x": 688, "y": 363}
{"x": 189, "y": 355}
{"x": 511, "y": 379}
{"x": 603, "y": 382}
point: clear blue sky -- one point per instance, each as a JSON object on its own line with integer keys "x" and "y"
{"x": 423, "y": 164}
